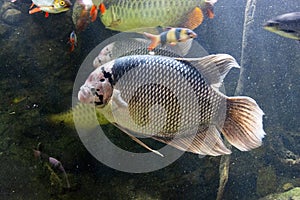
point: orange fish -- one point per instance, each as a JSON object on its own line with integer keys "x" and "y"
{"x": 72, "y": 41}
{"x": 102, "y": 8}
{"x": 93, "y": 13}
{"x": 86, "y": 13}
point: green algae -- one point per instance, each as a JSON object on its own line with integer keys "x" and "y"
{"x": 293, "y": 194}
{"x": 266, "y": 181}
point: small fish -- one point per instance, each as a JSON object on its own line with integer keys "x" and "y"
{"x": 286, "y": 25}
{"x": 84, "y": 12}
{"x": 72, "y": 41}
{"x": 171, "y": 36}
{"x": 144, "y": 15}
{"x": 194, "y": 123}
{"x": 50, "y": 6}
{"x": 52, "y": 161}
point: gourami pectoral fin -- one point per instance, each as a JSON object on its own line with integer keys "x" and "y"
{"x": 138, "y": 141}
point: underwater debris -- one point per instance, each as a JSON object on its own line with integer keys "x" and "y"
{"x": 17, "y": 100}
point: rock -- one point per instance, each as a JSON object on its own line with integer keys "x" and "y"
{"x": 287, "y": 186}
{"x": 5, "y": 6}
{"x": 12, "y": 16}
{"x": 4, "y": 29}
{"x": 293, "y": 194}
{"x": 266, "y": 181}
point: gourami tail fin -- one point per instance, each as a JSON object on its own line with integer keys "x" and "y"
{"x": 243, "y": 126}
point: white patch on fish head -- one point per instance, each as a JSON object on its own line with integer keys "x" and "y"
{"x": 104, "y": 56}
{"x": 98, "y": 87}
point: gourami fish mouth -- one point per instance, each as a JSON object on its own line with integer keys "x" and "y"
{"x": 90, "y": 95}
{"x": 85, "y": 95}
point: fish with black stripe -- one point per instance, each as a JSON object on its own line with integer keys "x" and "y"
{"x": 171, "y": 36}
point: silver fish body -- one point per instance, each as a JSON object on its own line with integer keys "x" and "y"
{"x": 175, "y": 101}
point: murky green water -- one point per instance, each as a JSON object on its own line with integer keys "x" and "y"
{"x": 37, "y": 76}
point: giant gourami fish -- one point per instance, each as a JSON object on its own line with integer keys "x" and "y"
{"x": 175, "y": 101}
{"x": 128, "y": 15}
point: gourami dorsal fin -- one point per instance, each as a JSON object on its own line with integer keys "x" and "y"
{"x": 214, "y": 67}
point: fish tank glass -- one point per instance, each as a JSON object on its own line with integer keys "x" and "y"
{"x": 150, "y": 99}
